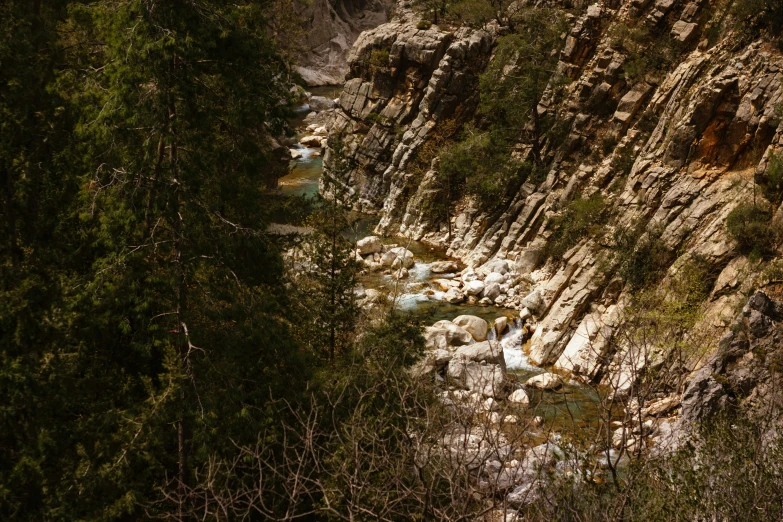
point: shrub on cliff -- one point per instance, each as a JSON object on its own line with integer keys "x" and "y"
{"x": 749, "y": 225}
{"x": 379, "y": 58}
{"x": 581, "y": 217}
{"x": 642, "y": 256}
{"x": 757, "y": 18}
{"x": 772, "y": 181}
{"x": 648, "y": 51}
{"x": 521, "y": 70}
{"x": 482, "y": 166}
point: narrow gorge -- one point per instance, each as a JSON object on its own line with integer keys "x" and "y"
{"x": 614, "y": 261}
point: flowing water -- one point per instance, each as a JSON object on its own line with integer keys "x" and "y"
{"x": 302, "y": 179}
{"x": 572, "y": 408}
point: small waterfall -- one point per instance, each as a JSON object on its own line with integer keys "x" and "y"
{"x": 420, "y": 271}
{"x": 492, "y": 334}
{"x": 512, "y": 348}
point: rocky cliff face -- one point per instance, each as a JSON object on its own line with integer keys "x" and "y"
{"x": 692, "y": 138}
{"x": 331, "y": 27}
{"x": 403, "y": 82}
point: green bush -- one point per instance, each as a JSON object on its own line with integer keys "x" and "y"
{"x": 642, "y": 256}
{"x": 423, "y": 25}
{"x": 580, "y": 218}
{"x": 749, "y": 225}
{"x": 772, "y": 183}
{"x": 474, "y": 13}
{"x": 755, "y": 18}
{"x": 379, "y": 58}
{"x": 482, "y": 166}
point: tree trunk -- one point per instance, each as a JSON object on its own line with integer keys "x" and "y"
{"x": 181, "y": 296}
{"x": 536, "y": 135}
{"x": 10, "y": 217}
{"x": 153, "y": 185}
{"x": 536, "y": 123}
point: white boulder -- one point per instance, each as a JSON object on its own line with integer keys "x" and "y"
{"x": 474, "y": 287}
{"x": 454, "y": 296}
{"x": 311, "y": 141}
{"x": 545, "y": 381}
{"x": 443, "y": 267}
{"x": 369, "y": 245}
{"x": 495, "y": 277}
{"x": 399, "y": 256}
{"x": 491, "y": 291}
{"x": 477, "y": 326}
{"x": 444, "y": 334}
{"x": 519, "y": 397}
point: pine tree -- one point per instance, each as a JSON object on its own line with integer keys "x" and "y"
{"x": 169, "y": 331}
{"x": 327, "y": 283}
{"x": 37, "y": 190}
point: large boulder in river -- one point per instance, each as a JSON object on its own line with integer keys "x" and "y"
{"x": 443, "y": 267}
{"x": 545, "y": 381}
{"x": 313, "y": 142}
{"x": 474, "y": 287}
{"x": 485, "y": 351}
{"x": 444, "y": 334}
{"x": 454, "y": 296}
{"x": 477, "y": 326}
{"x": 398, "y": 256}
{"x": 321, "y": 103}
{"x": 501, "y": 323}
{"x": 369, "y": 245}
{"x": 487, "y": 379}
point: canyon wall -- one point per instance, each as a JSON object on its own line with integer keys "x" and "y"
{"x": 671, "y": 155}
{"x": 330, "y": 29}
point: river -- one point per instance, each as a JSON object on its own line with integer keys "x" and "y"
{"x": 572, "y": 408}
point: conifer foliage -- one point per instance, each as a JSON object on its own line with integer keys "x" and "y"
{"x": 142, "y": 303}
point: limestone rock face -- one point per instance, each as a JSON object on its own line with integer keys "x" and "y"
{"x": 409, "y": 79}
{"x": 332, "y": 28}
{"x": 681, "y": 148}
{"x": 738, "y": 374}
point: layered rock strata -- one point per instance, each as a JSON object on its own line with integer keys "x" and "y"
{"x": 330, "y": 29}
{"x": 692, "y": 137}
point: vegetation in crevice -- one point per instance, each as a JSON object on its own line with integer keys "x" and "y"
{"x": 750, "y": 226}
{"x": 642, "y": 257}
{"x": 648, "y": 51}
{"x": 482, "y": 162}
{"x": 581, "y": 217}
